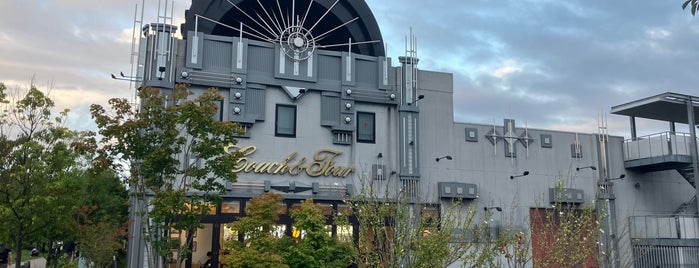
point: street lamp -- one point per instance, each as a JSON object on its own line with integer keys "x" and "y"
{"x": 525, "y": 173}
{"x": 447, "y": 157}
{"x": 621, "y": 177}
{"x": 590, "y": 167}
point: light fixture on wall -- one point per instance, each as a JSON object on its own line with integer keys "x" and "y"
{"x": 447, "y": 157}
{"x": 621, "y": 177}
{"x": 419, "y": 98}
{"x": 499, "y": 209}
{"x": 590, "y": 167}
{"x": 525, "y": 173}
{"x": 380, "y": 155}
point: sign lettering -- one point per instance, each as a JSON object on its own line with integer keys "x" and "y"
{"x": 322, "y": 164}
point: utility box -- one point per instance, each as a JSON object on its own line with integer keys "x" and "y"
{"x": 452, "y": 190}
{"x": 566, "y": 195}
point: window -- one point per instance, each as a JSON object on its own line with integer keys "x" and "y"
{"x": 218, "y": 116}
{"x": 472, "y": 134}
{"x": 366, "y": 129}
{"x": 285, "y": 125}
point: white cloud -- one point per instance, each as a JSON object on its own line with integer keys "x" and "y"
{"x": 505, "y": 71}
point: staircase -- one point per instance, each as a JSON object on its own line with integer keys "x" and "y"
{"x": 690, "y": 206}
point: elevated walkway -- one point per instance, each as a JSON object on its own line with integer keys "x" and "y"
{"x": 661, "y": 151}
{"x": 668, "y": 150}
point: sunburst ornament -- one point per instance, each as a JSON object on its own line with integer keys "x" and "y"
{"x": 297, "y": 40}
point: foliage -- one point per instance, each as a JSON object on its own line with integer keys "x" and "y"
{"x": 514, "y": 246}
{"x": 177, "y": 163}
{"x": 39, "y": 170}
{"x": 512, "y": 243}
{"x": 315, "y": 248}
{"x": 564, "y": 235}
{"x": 396, "y": 232}
{"x": 101, "y": 221}
{"x": 694, "y": 6}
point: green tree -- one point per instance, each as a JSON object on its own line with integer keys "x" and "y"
{"x": 38, "y": 171}
{"x": 311, "y": 244}
{"x": 565, "y": 235}
{"x": 173, "y": 148}
{"x": 694, "y": 6}
{"x": 315, "y": 248}
{"x": 396, "y": 231}
{"x": 101, "y": 220}
{"x": 260, "y": 247}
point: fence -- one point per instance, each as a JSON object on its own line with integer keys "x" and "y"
{"x": 665, "y": 241}
{"x": 660, "y": 144}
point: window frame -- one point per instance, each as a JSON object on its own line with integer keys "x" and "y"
{"x": 218, "y": 116}
{"x": 276, "y": 121}
{"x": 373, "y": 133}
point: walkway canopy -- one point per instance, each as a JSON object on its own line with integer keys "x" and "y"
{"x": 669, "y": 107}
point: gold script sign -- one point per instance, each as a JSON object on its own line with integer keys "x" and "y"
{"x": 323, "y": 163}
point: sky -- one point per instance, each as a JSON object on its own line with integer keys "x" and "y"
{"x": 548, "y": 63}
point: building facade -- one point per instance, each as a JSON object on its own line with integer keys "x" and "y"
{"x": 324, "y": 108}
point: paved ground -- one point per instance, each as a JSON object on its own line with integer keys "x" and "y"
{"x": 35, "y": 263}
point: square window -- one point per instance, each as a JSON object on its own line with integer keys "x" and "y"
{"x": 218, "y": 116}
{"x": 459, "y": 190}
{"x": 576, "y": 150}
{"x": 472, "y": 134}
{"x": 366, "y": 127}
{"x": 546, "y": 141}
{"x": 447, "y": 190}
{"x": 230, "y": 207}
{"x": 285, "y": 125}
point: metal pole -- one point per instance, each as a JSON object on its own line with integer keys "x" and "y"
{"x": 632, "y": 122}
{"x": 672, "y": 128}
{"x": 693, "y": 142}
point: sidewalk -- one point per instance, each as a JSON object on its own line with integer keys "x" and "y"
{"x": 34, "y": 263}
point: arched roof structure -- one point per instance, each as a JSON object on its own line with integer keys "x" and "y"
{"x": 331, "y": 22}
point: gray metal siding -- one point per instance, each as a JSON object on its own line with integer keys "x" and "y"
{"x": 330, "y": 109}
{"x": 217, "y": 56}
{"x": 256, "y": 103}
{"x": 329, "y": 67}
{"x": 261, "y": 59}
{"x": 367, "y": 73}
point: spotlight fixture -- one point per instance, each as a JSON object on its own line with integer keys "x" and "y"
{"x": 621, "y": 177}
{"x": 525, "y": 173}
{"x": 380, "y": 155}
{"x": 447, "y": 157}
{"x": 419, "y": 97}
{"x": 590, "y": 167}
{"x": 499, "y": 209}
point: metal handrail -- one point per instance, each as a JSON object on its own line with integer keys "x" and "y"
{"x": 658, "y": 144}
{"x": 664, "y": 226}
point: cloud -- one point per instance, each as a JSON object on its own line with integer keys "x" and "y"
{"x": 505, "y": 71}
{"x": 554, "y": 64}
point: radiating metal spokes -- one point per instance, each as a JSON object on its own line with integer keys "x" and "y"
{"x": 276, "y": 23}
